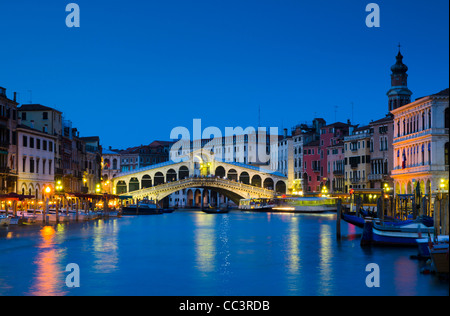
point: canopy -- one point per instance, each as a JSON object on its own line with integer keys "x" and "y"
{"x": 15, "y": 197}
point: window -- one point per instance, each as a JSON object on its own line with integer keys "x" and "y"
{"x": 429, "y": 118}
{"x": 24, "y": 165}
{"x": 24, "y": 116}
{"x": 50, "y": 146}
{"x": 31, "y": 165}
{"x": 38, "y": 143}
{"x": 25, "y": 141}
{"x": 31, "y": 142}
{"x": 44, "y": 145}
{"x": 45, "y": 115}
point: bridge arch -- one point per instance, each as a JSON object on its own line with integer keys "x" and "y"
{"x": 268, "y": 184}
{"x": 256, "y": 181}
{"x": 146, "y": 181}
{"x": 159, "y": 178}
{"x": 121, "y": 187}
{"x": 133, "y": 185}
{"x": 232, "y": 175}
{"x": 171, "y": 175}
{"x": 220, "y": 172}
{"x": 183, "y": 172}
{"x": 280, "y": 187}
{"x": 244, "y": 177}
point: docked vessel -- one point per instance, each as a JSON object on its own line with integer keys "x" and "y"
{"x": 142, "y": 208}
{"x": 4, "y": 221}
{"x": 404, "y": 233}
{"x": 305, "y": 204}
{"x": 256, "y": 205}
{"x": 439, "y": 256}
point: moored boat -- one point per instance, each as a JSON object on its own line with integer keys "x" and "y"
{"x": 256, "y": 205}
{"x": 142, "y": 208}
{"x": 305, "y": 204}
{"x": 4, "y": 220}
{"x": 424, "y": 243}
{"x": 439, "y": 256}
{"x": 403, "y": 233}
{"x": 354, "y": 220}
{"x": 215, "y": 211}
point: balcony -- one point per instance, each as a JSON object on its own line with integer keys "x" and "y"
{"x": 338, "y": 172}
{"x": 376, "y": 177}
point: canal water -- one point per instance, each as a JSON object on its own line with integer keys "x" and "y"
{"x": 191, "y": 253}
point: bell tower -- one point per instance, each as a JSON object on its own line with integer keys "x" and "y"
{"x": 399, "y": 94}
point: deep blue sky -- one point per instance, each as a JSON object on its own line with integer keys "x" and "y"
{"x": 136, "y": 69}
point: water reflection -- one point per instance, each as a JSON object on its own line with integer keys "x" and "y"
{"x": 49, "y": 278}
{"x": 205, "y": 247}
{"x": 405, "y": 281}
{"x": 105, "y": 248}
{"x": 325, "y": 260}
{"x": 294, "y": 247}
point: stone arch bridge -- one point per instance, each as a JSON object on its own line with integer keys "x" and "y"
{"x": 198, "y": 170}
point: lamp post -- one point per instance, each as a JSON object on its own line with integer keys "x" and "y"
{"x": 47, "y": 192}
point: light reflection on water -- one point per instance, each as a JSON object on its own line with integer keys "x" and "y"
{"x": 193, "y": 253}
{"x": 49, "y": 271}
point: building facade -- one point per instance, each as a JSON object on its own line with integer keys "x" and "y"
{"x": 420, "y": 144}
{"x": 8, "y": 143}
{"x": 381, "y": 153}
{"x": 35, "y": 161}
{"x": 357, "y": 158}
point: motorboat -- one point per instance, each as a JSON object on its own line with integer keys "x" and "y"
{"x": 305, "y": 204}
{"x": 256, "y": 205}
{"x": 4, "y": 220}
{"x": 145, "y": 207}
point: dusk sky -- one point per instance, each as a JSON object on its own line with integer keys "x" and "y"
{"x": 136, "y": 69}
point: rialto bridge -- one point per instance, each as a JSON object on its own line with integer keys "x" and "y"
{"x": 199, "y": 170}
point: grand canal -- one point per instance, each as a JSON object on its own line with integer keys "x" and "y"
{"x": 193, "y": 253}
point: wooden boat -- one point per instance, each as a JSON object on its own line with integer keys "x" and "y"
{"x": 439, "y": 256}
{"x": 167, "y": 210}
{"x": 403, "y": 233}
{"x": 424, "y": 243}
{"x": 354, "y": 220}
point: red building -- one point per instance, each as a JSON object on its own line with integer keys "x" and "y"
{"x": 312, "y": 166}
{"x": 331, "y": 136}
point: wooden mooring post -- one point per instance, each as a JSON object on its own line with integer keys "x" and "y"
{"x": 338, "y": 219}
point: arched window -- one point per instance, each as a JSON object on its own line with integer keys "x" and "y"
{"x": 429, "y": 118}
{"x": 423, "y": 121}
{"x": 447, "y": 119}
{"x": 446, "y": 153}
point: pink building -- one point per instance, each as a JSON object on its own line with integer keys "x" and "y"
{"x": 311, "y": 158}
{"x": 332, "y": 155}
